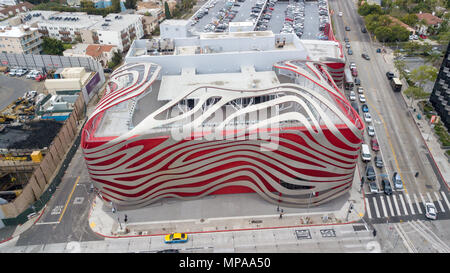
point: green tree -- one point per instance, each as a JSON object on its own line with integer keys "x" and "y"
{"x": 52, "y": 46}
{"x": 423, "y": 74}
{"x": 116, "y": 60}
{"x": 130, "y": 4}
{"x": 410, "y": 19}
{"x": 399, "y": 33}
{"x": 383, "y": 34}
{"x": 366, "y": 9}
{"x": 167, "y": 11}
{"x": 115, "y": 5}
{"x": 400, "y": 65}
{"x": 415, "y": 92}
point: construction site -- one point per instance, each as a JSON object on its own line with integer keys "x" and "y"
{"x": 29, "y": 124}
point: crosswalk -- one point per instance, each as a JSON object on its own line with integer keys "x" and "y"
{"x": 402, "y": 204}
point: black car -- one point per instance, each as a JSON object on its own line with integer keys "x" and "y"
{"x": 357, "y": 81}
{"x": 346, "y": 40}
{"x": 379, "y": 161}
{"x": 168, "y": 251}
{"x": 365, "y": 56}
{"x": 370, "y": 173}
{"x": 390, "y": 75}
{"x": 386, "y": 186}
{"x": 347, "y": 28}
{"x": 363, "y": 30}
{"x": 107, "y": 70}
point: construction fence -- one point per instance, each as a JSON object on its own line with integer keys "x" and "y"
{"x": 48, "y": 175}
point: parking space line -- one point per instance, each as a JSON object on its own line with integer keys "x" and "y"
{"x": 369, "y": 214}
{"x": 403, "y": 204}
{"x": 439, "y": 201}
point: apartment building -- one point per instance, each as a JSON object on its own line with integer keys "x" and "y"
{"x": 22, "y": 40}
{"x": 115, "y": 29}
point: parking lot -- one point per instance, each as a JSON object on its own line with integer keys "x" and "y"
{"x": 12, "y": 88}
{"x": 306, "y": 19}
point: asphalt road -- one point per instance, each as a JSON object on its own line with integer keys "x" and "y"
{"x": 401, "y": 144}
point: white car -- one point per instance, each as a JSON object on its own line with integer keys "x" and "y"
{"x": 430, "y": 211}
{"x": 371, "y": 130}
{"x": 352, "y": 95}
{"x": 340, "y": 14}
{"x": 362, "y": 98}
{"x": 360, "y": 90}
{"x": 367, "y": 117}
{"x": 352, "y": 65}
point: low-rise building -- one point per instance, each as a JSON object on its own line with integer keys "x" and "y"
{"x": 101, "y": 53}
{"x": 9, "y": 11}
{"x": 430, "y": 21}
{"x": 22, "y": 40}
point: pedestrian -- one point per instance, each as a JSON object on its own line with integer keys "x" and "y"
{"x": 374, "y": 233}
{"x": 281, "y": 215}
{"x": 126, "y": 219}
{"x": 113, "y": 210}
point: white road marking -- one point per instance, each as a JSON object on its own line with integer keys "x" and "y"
{"x": 397, "y": 209}
{"x": 374, "y": 199}
{"x": 390, "y": 205}
{"x": 439, "y": 201}
{"x": 417, "y": 203}
{"x": 403, "y": 204}
{"x": 384, "y": 206}
{"x": 410, "y": 204}
{"x": 445, "y": 199}
{"x": 369, "y": 214}
{"x": 429, "y": 197}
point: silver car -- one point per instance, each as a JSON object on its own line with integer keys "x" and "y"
{"x": 396, "y": 179}
{"x": 430, "y": 211}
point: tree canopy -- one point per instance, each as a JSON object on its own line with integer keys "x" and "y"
{"x": 52, "y": 46}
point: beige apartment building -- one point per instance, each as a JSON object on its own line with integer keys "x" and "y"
{"x": 22, "y": 40}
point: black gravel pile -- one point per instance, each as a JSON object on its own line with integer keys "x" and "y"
{"x": 40, "y": 134}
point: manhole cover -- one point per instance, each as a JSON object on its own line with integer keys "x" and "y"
{"x": 78, "y": 200}
{"x": 328, "y": 233}
{"x": 303, "y": 234}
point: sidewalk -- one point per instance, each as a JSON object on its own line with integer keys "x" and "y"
{"x": 429, "y": 138}
{"x": 142, "y": 222}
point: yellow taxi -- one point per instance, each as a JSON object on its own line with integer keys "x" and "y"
{"x": 175, "y": 238}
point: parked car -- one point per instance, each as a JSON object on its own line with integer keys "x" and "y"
{"x": 350, "y": 51}
{"x": 375, "y": 145}
{"x": 347, "y": 28}
{"x": 386, "y": 186}
{"x": 360, "y": 90}
{"x": 371, "y": 131}
{"x": 22, "y": 72}
{"x": 357, "y": 81}
{"x": 12, "y": 72}
{"x": 396, "y": 179}
{"x": 354, "y": 72}
{"x": 365, "y": 56}
{"x": 346, "y": 39}
{"x": 352, "y": 95}
{"x": 362, "y": 98}
{"x": 347, "y": 45}
{"x": 175, "y": 238}
{"x": 373, "y": 187}
{"x": 390, "y": 75}
{"x": 365, "y": 108}
{"x": 379, "y": 161}
{"x": 367, "y": 116}
{"x": 370, "y": 173}
{"x": 340, "y": 14}
{"x": 352, "y": 65}
{"x": 430, "y": 211}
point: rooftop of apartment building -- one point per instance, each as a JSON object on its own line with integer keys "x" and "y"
{"x": 15, "y": 32}
{"x": 116, "y": 22}
{"x": 70, "y": 19}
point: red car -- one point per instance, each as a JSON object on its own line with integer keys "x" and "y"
{"x": 375, "y": 146}
{"x": 289, "y": 19}
{"x": 354, "y": 72}
{"x": 270, "y": 8}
